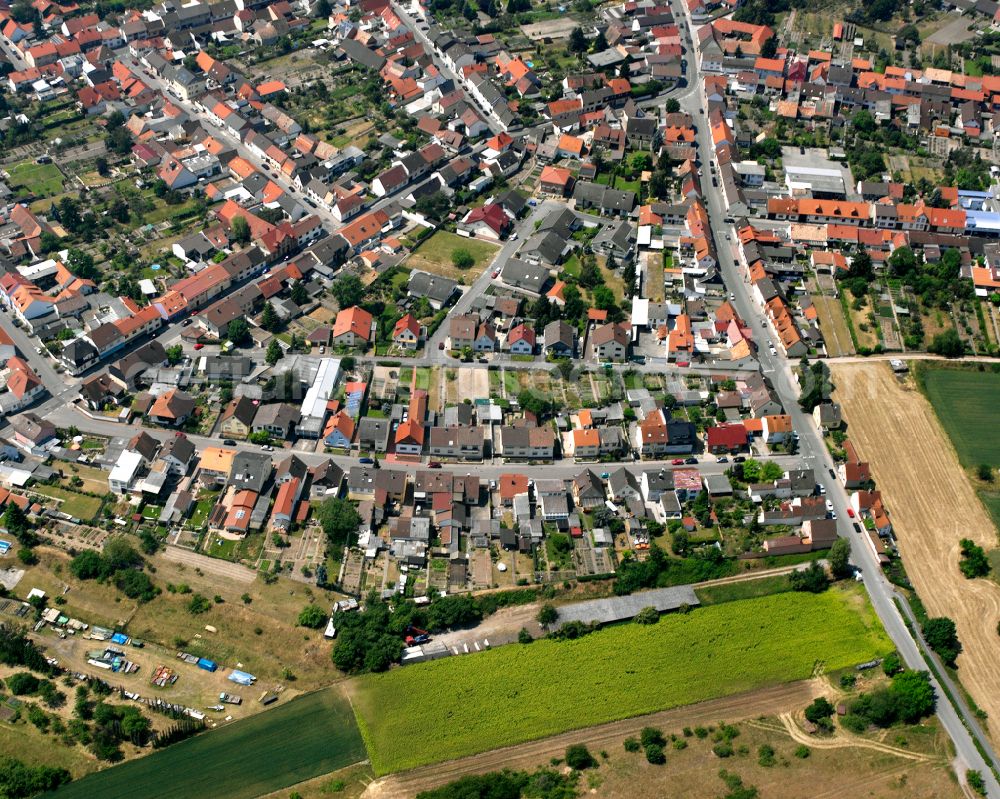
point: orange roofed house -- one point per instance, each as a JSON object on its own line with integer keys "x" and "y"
{"x": 354, "y": 327}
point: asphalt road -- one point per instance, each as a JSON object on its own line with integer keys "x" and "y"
{"x": 414, "y": 25}
{"x": 815, "y": 454}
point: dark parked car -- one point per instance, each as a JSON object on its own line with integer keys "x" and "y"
{"x": 366, "y": 461}
{"x": 229, "y": 442}
{"x": 690, "y": 461}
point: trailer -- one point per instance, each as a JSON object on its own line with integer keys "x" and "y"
{"x": 230, "y": 699}
{"x": 207, "y": 665}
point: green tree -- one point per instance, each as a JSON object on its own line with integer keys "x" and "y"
{"x": 239, "y": 230}
{"x": 81, "y": 264}
{"x": 238, "y": 331}
{"x": 942, "y": 637}
{"x": 577, "y": 41}
{"x": 863, "y": 122}
{"x": 174, "y": 354}
{"x": 339, "y": 520}
{"x": 547, "y": 614}
{"x": 947, "y": 343}
{"x": 974, "y": 562}
{"x": 913, "y": 695}
{"x": 813, "y": 579}
{"x": 269, "y": 318}
{"x": 655, "y": 755}
{"x": 462, "y": 259}
{"x": 299, "y": 295}
{"x": 892, "y": 664}
{"x": 590, "y": 275}
{"x": 274, "y": 352}
{"x": 578, "y": 757}
{"x": 672, "y": 106}
{"x": 819, "y": 710}
{"x": 984, "y": 472}
{"x": 839, "y": 558}
{"x": 348, "y": 290}
{"x": 312, "y": 616}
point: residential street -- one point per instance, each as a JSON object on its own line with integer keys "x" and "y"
{"x": 815, "y": 454}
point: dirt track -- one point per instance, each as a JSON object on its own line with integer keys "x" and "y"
{"x": 221, "y": 568}
{"x": 767, "y": 701}
{"x": 932, "y": 506}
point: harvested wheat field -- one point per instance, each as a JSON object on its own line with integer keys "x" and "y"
{"x": 932, "y": 506}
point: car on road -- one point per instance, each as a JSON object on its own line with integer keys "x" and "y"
{"x": 677, "y": 461}
{"x": 199, "y": 346}
{"x": 739, "y": 459}
{"x": 723, "y": 459}
{"x": 483, "y": 360}
{"x": 850, "y": 512}
{"x": 857, "y": 528}
{"x": 682, "y": 364}
{"x": 496, "y": 273}
{"x": 229, "y": 442}
{"x": 513, "y": 236}
{"x": 440, "y": 345}
{"x": 832, "y": 515}
{"x": 366, "y": 461}
{"x": 186, "y": 322}
{"x": 434, "y": 465}
{"x": 690, "y": 461}
{"x": 832, "y": 473}
{"x": 605, "y": 475}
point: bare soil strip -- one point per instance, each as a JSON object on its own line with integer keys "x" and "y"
{"x": 932, "y": 506}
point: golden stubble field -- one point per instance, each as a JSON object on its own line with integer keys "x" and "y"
{"x": 932, "y": 506}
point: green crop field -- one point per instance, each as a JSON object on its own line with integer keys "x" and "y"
{"x": 312, "y": 735}
{"x": 462, "y": 705}
{"x": 965, "y": 402}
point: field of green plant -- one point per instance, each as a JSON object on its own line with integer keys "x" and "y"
{"x": 965, "y": 402}
{"x": 462, "y": 705}
{"x": 311, "y": 735}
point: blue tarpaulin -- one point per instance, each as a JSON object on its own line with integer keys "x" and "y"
{"x": 242, "y": 677}
{"x": 119, "y": 638}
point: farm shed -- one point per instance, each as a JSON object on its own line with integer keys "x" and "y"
{"x": 607, "y": 611}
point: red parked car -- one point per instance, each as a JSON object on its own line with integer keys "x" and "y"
{"x": 850, "y": 512}
{"x": 198, "y": 346}
{"x": 677, "y": 462}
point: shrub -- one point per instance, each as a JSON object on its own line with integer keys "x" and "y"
{"x": 578, "y": 757}
{"x": 680, "y": 743}
{"x": 765, "y": 756}
{"x": 891, "y": 664}
{"x": 632, "y": 745}
{"x": 198, "y": 604}
{"x": 655, "y": 754}
{"x": 723, "y": 749}
{"x": 802, "y": 751}
{"x": 976, "y": 782}
{"x": 524, "y": 637}
{"x": 700, "y": 732}
{"x": 651, "y": 735}
{"x": 648, "y": 615}
{"x": 312, "y": 616}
